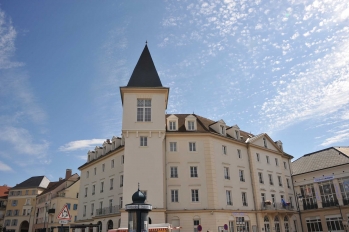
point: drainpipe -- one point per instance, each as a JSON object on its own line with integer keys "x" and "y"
{"x": 252, "y": 182}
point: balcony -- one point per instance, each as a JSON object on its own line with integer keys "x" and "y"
{"x": 108, "y": 210}
{"x": 51, "y": 211}
{"x": 275, "y": 206}
{"x": 329, "y": 204}
{"x": 309, "y": 206}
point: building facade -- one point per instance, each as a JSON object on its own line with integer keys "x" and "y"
{"x": 193, "y": 170}
{"x": 3, "y": 202}
{"x": 321, "y": 181}
{"x": 52, "y": 200}
{"x": 21, "y": 204}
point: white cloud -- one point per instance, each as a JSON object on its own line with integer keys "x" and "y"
{"x": 21, "y": 141}
{"x": 340, "y": 136}
{"x": 7, "y": 43}
{"x": 81, "y": 144}
{"x": 5, "y": 168}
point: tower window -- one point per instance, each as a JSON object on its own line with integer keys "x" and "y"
{"x": 143, "y": 110}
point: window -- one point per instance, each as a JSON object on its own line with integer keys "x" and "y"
{"x": 273, "y": 198}
{"x": 222, "y": 130}
{"x": 121, "y": 180}
{"x": 276, "y": 162}
{"x": 100, "y": 204}
{"x": 14, "y": 202}
{"x": 120, "y": 202}
{"x": 237, "y": 134}
{"x": 103, "y": 167}
{"x": 87, "y": 174}
{"x": 174, "y": 172}
{"x": 7, "y": 222}
{"x": 112, "y": 164}
{"x": 194, "y": 195}
{"x": 309, "y": 198}
{"x": 226, "y": 173}
{"x": 239, "y": 154}
{"x": 241, "y": 175}
{"x": 257, "y": 155}
{"x": 93, "y": 189}
{"x": 27, "y": 201}
{"x": 14, "y": 222}
{"x": 19, "y": 193}
{"x": 260, "y": 177}
{"x": 68, "y": 205}
{"x": 95, "y": 170}
{"x": 263, "y": 197}
{"x": 122, "y": 159}
{"x": 111, "y": 181}
{"x": 84, "y": 212}
{"x": 110, "y": 203}
{"x": 196, "y": 223}
{"x": 267, "y": 157}
{"x": 193, "y": 171}
{"x": 334, "y": 224}
{"x": 343, "y": 185}
{"x": 291, "y": 202}
{"x": 33, "y": 192}
{"x": 285, "y": 165}
{"x": 174, "y": 195}
{"x": 271, "y": 179}
{"x": 288, "y": 183}
{"x": 9, "y": 213}
{"x": 26, "y": 192}
{"x": 75, "y": 218}
{"x": 85, "y": 192}
{"x": 173, "y": 125}
{"x": 24, "y": 212}
{"x": 314, "y": 225}
{"x": 192, "y": 146}
{"x": 244, "y": 199}
{"x": 280, "y": 181}
{"x": 224, "y": 150}
{"x": 173, "y": 146}
{"x": 265, "y": 142}
{"x": 75, "y": 206}
{"x": 191, "y": 125}
{"x": 143, "y": 141}
{"x": 143, "y": 110}
{"x": 15, "y": 212}
{"x": 328, "y": 194}
{"x": 228, "y": 195}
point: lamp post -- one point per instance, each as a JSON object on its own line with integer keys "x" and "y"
{"x": 45, "y": 217}
{"x": 299, "y": 198}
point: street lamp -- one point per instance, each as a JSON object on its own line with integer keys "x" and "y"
{"x": 299, "y": 199}
{"x": 45, "y": 216}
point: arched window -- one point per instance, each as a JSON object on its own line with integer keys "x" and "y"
{"x": 266, "y": 224}
{"x": 277, "y": 224}
{"x": 119, "y": 223}
{"x": 110, "y": 224}
{"x": 287, "y": 228}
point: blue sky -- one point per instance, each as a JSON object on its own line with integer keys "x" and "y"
{"x": 280, "y": 67}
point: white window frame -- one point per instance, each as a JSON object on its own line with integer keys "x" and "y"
{"x": 239, "y": 153}
{"x": 174, "y": 195}
{"x": 226, "y": 173}
{"x": 143, "y": 141}
{"x": 102, "y": 186}
{"x": 271, "y": 181}
{"x": 241, "y": 175}
{"x": 173, "y": 125}
{"x": 224, "y": 149}
{"x": 244, "y": 198}
{"x": 228, "y": 197}
{"x": 111, "y": 182}
{"x": 192, "y": 146}
{"x": 194, "y": 172}
{"x": 173, "y": 146}
{"x": 121, "y": 180}
{"x": 280, "y": 181}
{"x": 195, "y": 195}
{"x": 173, "y": 172}
{"x": 143, "y": 110}
{"x": 260, "y": 177}
{"x": 191, "y": 125}
{"x": 258, "y": 157}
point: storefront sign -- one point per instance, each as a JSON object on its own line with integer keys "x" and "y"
{"x": 324, "y": 178}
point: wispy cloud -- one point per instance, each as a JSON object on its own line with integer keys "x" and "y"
{"x": 5, "y": 168}
{"x": 81, "y": 144}
{"x": 7, "y": 43}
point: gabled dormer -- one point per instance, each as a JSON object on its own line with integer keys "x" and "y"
{"x": 107, "y": 146}
{"x": 234, "y": 132}
{"x": 191, "y": 123}
{"x": 172, "y": 123}
{"x": 263, "y": 140}
{"x": 91, "y": 155}
{"x": 116, "y": 142}
{"x": 220, "y": 127}
{"x": 99, "y": 151}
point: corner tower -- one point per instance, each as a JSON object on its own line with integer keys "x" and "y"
{"x": 144, "y": 102}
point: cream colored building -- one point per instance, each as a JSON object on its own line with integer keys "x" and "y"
{"x": 193, "y": 170}
{"x": 52, "y": 200}
{"x": 21, "y": 204}
{"x": 321, "y": 180}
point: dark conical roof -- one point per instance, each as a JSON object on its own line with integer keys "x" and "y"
{"x": 138, "y": 197}
{"x": 145, "y": 74}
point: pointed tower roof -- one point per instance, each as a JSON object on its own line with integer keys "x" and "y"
{"x": 145, "y": 74}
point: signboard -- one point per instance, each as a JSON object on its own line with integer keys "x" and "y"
{"x": 199, "y": 228}
{"x": 64, "y": 214}
{"x": 225, "y": 226}
{"x": 138, "y": 207}
{"x": 63, "y": 221}
{"x": 324, "y": 178}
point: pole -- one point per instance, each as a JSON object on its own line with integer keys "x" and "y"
{"x": 345, "y": 226}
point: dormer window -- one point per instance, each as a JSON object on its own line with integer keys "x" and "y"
{"x": 265, "y": 142}
{"x": 191, "y": 125}
{"x": 173, "y": 125}
{"x": 237, "y": 134}
{"x": 143, "y": 110}
{"x": 222, "y": 128}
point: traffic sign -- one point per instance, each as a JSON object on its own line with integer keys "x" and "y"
{"x": 64, "y": 214}
{"x": 225, "y": 226}
{"x": 63, "y": 221}
{"x": 199, "y": 228}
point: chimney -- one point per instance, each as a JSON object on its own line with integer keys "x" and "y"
{"x": 68, "y": 174}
